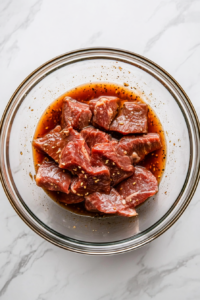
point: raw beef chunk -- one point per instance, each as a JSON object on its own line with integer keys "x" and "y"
{"x": 119, "y": 165}
{"x": 90, "y": 206}
{"x": 104, "y": 110}
{"x": 75, "y": 157}
{"x": 136, "y": 147}
{"x": 70, "y": 198}
{"x": 139, "y": 187}
{"x": 132, "y": 118}
{"x": 75, "y": 114}
{"x": 94, "y": 136}
{"x": 112, "y": 203}
{"x": 96, "y": 181}
{"x": 51, "y": 177}
{"x": 54, "y": 141}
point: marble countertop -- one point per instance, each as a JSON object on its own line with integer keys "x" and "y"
{"x": 165, "y": 31}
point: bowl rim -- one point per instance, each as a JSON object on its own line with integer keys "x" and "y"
{"x": 72, "y": 245}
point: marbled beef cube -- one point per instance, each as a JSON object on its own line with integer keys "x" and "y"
{"x": 90, "y": 206}
{"x": 93, "y": 136}
{"x": 136, "y": 147}
{"x": 104, "y": 110}
{"x": 75, "y": 114}
{"x": 139, "y": 187}
{"x": 97, "y": 180}
{"x": 75, "y": 158}
{"x": 119, "y": 165}
{"x": 111, "y": 203}
{"x": 70, "y": 198}
{"x": 132, "y": 118}
{"x": 51, "y": 177}
{"x": 54, "y": 141}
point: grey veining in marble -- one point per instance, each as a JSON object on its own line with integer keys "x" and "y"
{"x": 165, "y": 31}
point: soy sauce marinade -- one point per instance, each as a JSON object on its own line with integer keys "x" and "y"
{"x": 155, "y": 161}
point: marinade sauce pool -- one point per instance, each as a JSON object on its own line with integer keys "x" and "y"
{"x": 155, "y": 161}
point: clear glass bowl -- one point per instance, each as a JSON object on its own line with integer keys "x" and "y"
{"x": 84, "y": 234}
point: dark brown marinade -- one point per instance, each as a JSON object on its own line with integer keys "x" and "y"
{"x": 155, "y": 161}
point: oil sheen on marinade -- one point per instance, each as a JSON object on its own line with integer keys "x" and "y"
{"x": 155, "y": 162}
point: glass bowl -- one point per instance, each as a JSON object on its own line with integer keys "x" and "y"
{"x": 108, "y": 235}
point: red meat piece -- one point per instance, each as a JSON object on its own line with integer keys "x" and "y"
{"x": 70, "y": 198}
{"x": 90, "y": 206}
{"x": 132, "y": 118}
{"x": 75, "y": 114}
{"x": 136, "y": 147}
{"x": 119, "y": 165}
{"x": 54, "y": 141}
{"x": 97, "y": 180}
{"x": 75, "y": 157}
{"x": 94, "y": 136}
{"x": 112, "y": 203}
{"x": 104, "y": 110}
{"x": 51, "y": 177}
{"x": 139, "y": 187}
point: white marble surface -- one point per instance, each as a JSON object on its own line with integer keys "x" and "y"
{"x": 165, "y": 31}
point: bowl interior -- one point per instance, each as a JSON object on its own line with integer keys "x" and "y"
{"x": 43, "y": 87}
